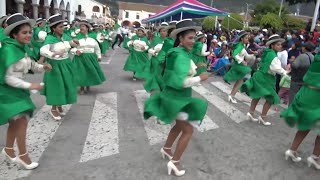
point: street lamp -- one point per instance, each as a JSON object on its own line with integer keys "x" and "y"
{"x": 247, "y": 13}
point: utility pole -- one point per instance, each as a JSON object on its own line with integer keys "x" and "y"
{"x": 315, "y": 16}
{"x": 246, "y": 24}
{"x": 211, "y": 3}
{"x": 280, "y": 8}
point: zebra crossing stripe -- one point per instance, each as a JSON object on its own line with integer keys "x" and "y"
{"x": 41, "y": 129}
{"x": 232, "y": 112}
{"x": 158, "y": 133}
{"x": 103, "y": 135}
{"x": 244, "y": 98}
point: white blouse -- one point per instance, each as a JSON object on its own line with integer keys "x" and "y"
{"x": 155, "y": 50}
{"x": 42, "y": 36}
{"x": 88, "y": 45}
{"x": 15, "y": 74}
{"x": 191, "y": 80}
{"x": 49, "y": 50}
{"x": 138, "y": 44}
{"x": 204, "y": 51}
{"x": 243, "y": 55}
{"x": 276, "y": 67}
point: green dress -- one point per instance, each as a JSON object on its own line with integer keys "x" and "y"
{"x": 14, "y": 101}
{"x": 167, "y": 45}
{"x": 36, "y": 42}
{"x": 155, "y": 82}
{"x": 175, "y": 98}
{"x": 237, "y": 71}
{"x": 197, "y": 58}
{"x": 304, "y": 111}
{"x": 59, "y": 83}
{"x": 262, "y": 83}
{"x": 138, "y": 61}
{"x": 88, "y": 70}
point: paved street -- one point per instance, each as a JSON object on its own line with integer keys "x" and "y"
{"x": 104, "y": 137}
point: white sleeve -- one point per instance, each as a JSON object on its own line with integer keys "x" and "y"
{"x": 45, "y": 51}
{"x": 191, "y": 81}
{"x": 97, "y": 49}
{"x": 72, "y": 44}
{"x": 240, "y": 56}
{"x": 204, "y": 51}
{"x": 276, "y": 67}
{"x": 249, "y": 57}
{"x": 16, "y": 82}
{"x": 38, "y": 68}
{"x": 151, "y": 51}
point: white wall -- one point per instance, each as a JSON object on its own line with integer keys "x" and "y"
{"x": 133, "y": 14}
{"x": 87, "y": 7}
{"x": 2, "y": 8}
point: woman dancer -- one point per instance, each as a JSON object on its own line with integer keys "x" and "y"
{"x": 138, "y": 59}
{"x": 60, "y": 88}
{"x": 175, "y": 103}
{"x": 239, "y": 66}
{"x": 263, "y": 82}
{"x": 155, "y": 83}
{"x": 304, "y": 113}
{"x": 16, "y": 106}
{"x": 199, "y": 52}
{"x": 39, "y": 35}
{"x": 89, "y": 72}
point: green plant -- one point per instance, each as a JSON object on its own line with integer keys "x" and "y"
{"x": 208, "y": 22}
{"x": 294, "y": 23}
{"x": 235, "y": 22}
{"x": 271, "y": 20}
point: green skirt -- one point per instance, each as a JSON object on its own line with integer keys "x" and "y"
{"x": 236, "y": 72}
{"x": 125, "y": 43}
{"x": 168, "y": 103}
{"x": 261, "y": 85}
{"x": 139, "y": 63}
{"x": 304, "y": 111}
{"x": 59, "y": 84}
{"x": 88, "y": 70}
{"x": 154, "y": 82}
{"x": 104, "y": 46}
{"x": 14, "y": 101}
{"x": 36, "y": 49}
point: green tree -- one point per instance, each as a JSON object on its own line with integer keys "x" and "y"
{"x": 235, "y": 22}
{"x": 268, "y": 6}
{"x": 271, "y": 20}
{"x": 208, "y": 22}
{"x": 294, "y": 23}
{"x": 292, "y": 2}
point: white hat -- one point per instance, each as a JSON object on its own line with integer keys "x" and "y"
{"x": 15, "y": 20}
{"x": 274, "y": 38}
{"x": 55, "y": 19}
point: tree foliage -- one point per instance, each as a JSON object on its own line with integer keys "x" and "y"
{"x": 265, "y": 7}
{"x": 235, "y": 22}
{"x": 208, "y": 22}
{"x": 271, "y": 20}
{"x": 294, "y": 23}
{"x": 292, "y": 2}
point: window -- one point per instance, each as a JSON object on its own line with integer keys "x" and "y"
{"x": 127, "y": 14}
{"x": 96, "y": 9}
{"x": 138, "y": 16}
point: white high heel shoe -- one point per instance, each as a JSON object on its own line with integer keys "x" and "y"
{"x": 173, "y": 167}
{"x": 266, "y": 123}
{"x": 313, "y": 162}
{"x": 24, "y": 165}
{"x": 12, "y": 160}
{"x": 292, "y": 155}
{"x": 61, "y": 112}
{"x": 250, "y": 117}
{"x": 164, "y": 154}
{"x": 232, "y": 100}
{"x": 57, "y": 118}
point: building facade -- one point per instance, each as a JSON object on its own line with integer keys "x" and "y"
{"x": 84, "y": 9}
{"x": 133, "y": 13}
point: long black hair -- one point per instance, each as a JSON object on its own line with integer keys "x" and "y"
{"x": 176, "y": 44}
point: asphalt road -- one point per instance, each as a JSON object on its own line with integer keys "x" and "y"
{"x": 104, "y": 137}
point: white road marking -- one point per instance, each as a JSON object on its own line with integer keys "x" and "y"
{"x": 41, "y": 129}
{"x": 242, "y": 97}
{"x": 158, "y": 133}
{"x": 103, "y": 135}
{"x": 111, "y": 56}
{"x": 232, "y": 112}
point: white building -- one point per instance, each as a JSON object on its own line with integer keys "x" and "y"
{"x": 133, "y": 13}
{"x": 37, "y": 8}
{"x": 92, "y": 10}
{"x": 85, "y": 9}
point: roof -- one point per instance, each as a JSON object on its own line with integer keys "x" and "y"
{"x": 140, "y": 7}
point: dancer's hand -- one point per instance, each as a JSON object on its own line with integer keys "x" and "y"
{"x": 76, "y": 41}
{"x": 78, "y": 53}
{"x": 204, "y": 76}
{"x": 143, "y": 48}
{"x": 47, "y": 67}
{"x": 59, "y": 54}
{"x": 35, "y": 86}
{"x": 201, "y": 65}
